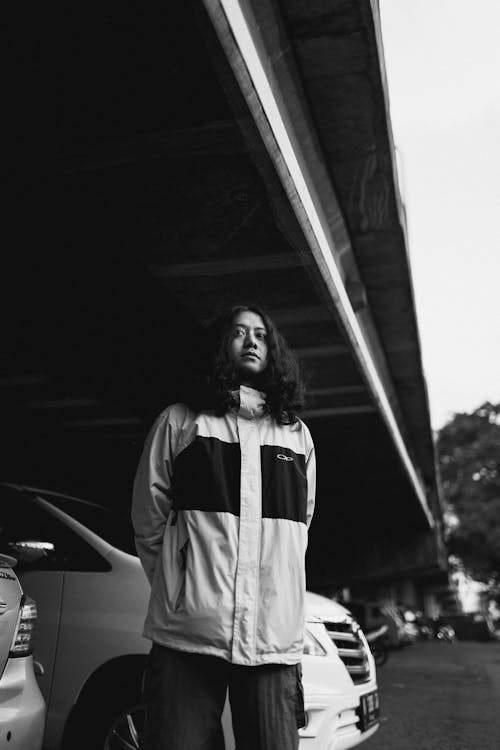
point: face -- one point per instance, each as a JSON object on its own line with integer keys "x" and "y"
{"x": 248, "y": 345}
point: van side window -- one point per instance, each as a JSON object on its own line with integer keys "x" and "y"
{"x": 22, "y": 519}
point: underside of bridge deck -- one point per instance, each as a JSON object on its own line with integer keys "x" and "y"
{"x": 167, "y": 207}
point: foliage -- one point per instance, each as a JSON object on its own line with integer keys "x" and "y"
{"x": 469, "y": 458}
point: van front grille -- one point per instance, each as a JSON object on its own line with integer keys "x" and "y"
{"x": 346, "y": 636}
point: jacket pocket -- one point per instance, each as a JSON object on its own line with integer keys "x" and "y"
{"x": 183, "y": 554}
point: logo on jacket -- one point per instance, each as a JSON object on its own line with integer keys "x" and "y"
{"x": 283, "y": 457}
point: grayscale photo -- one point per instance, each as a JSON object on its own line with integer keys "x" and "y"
{"x": 250, "y": 382}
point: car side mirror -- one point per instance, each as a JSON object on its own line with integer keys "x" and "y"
{"x": 8, "y": 560}
{"x": 31, "y": 550}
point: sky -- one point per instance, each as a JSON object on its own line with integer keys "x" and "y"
{"x": 443, "y": 67}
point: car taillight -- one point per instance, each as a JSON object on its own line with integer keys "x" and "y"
{"x": 22, "y": 643}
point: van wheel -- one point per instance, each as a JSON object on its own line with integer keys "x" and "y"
{"x": 125, "y": 732}
{"x": 112, "y": 719}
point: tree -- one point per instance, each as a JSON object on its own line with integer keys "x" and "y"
{"x": 469, "y": 459}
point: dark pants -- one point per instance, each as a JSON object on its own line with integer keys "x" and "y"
{"x": 185, "y": 696}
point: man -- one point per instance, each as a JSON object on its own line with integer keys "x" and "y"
{"x": 223, "y": 498}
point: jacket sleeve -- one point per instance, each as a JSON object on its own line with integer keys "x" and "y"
{"x": 311, "y": 482}
{"x": 152, "y": 495}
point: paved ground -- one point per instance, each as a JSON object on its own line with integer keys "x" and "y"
{"x": 437, "y": 696}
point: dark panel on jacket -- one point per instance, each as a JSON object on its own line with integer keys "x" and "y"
{"x": 284, "y": 483}
{"x": 207, "y": 476}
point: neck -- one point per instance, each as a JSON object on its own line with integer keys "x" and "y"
{"x": 250, "y": 381}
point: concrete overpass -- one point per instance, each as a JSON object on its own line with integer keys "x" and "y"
{"x": 221, "y": 152}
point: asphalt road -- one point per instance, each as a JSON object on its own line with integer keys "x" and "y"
{"x": 437, "y": 696}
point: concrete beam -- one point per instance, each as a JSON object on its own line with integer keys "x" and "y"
{"x": 285, "y": 127}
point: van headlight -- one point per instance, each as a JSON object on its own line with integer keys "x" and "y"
{"x": 312, "y": 647}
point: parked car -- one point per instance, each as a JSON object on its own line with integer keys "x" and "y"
{"x": 79, "y": 561}
{"x": 22, "y": 708}
{"x": 468, "y": 626}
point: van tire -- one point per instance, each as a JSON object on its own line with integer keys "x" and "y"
{"x": 95, "y": 718}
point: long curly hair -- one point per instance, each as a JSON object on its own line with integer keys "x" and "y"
{"x": 281, "y": 381}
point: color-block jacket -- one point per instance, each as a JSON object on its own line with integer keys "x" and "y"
{"x": 221, "y": 509}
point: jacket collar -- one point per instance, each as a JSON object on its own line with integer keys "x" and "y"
{"x": 252, "y": 402}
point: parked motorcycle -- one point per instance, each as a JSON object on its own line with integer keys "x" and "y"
{"x": 379, "y": 646}
{"x": 446, "y": 634}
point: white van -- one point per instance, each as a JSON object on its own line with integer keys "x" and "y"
{"x": 78, "y": 560}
